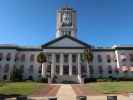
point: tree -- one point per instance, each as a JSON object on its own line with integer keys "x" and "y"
{"x": 41, "y": 58}
{"x": 87, "y": 56}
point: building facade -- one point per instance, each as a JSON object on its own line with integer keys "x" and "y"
{"x": 64, "y": 57}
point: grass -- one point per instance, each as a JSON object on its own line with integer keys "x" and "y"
{"x": 110, "y": 87}
{"x": 19, "y": 88}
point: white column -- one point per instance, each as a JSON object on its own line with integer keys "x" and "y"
{"x": 79, "y": 69}
{"x": 79, "y": 66}
{"x": 117, "y": 58}
{"x": 52, "y": 65}
{"x": 70, "y": 64}
{"x": 43, "y": 70}
{"x": 61, "y": 64}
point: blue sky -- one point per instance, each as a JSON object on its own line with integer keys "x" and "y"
{"x": 33, "y": 22}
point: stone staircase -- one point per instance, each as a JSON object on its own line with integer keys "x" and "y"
{"x": 67, "y": 79}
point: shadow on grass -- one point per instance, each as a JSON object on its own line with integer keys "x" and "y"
{"x": 10, "y": 96}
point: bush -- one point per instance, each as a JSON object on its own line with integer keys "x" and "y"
{"x": 104, "y": 80}
{"x": 89, "y": 80}
{"x": 44, "y": 80}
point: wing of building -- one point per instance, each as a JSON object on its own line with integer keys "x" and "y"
{"x": 65, "y": 57}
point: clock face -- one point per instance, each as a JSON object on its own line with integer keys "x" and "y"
{"x": 66, "y": 19}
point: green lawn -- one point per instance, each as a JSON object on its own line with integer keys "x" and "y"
{"x": 20, "y": 88}
{"x": 110, "y": 87}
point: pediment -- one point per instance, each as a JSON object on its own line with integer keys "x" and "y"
{"x": 66, "y": 42}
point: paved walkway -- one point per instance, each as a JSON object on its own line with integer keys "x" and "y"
{"x": 69, "y": 92}
{"x": 66, "y": 93}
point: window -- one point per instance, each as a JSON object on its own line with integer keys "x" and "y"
{"x": 131, "y": 57}
{"x": 1, "y": 56}
{"x": 91, "y": 69}
{"x": 99, "y": 57}
{"x": 16, "y": 57}
{"x": 74, "y": 58}
{"x": 49, "y": 68}
{"x": 30, "y": 78}
{"x": 83, "y": 69}
{"x": 23, "y": 57}
{"x": 74, "y": 70}
{"x": 6, "y": 68}
{"x": 108, "y": 58}
{"x": 32, "y": 58}
{"x": 5, "y": 77}
{"x": 100, "y": 69}
{"x": 31, "y": 69}
{"x": 57, "y": 58}
{"x": 22, "y": 68}
{"x": 49, "y": 58}
{"x": 66, "y": 69}
{"x": 40, "y": 69}
{"x": 8, "y": 57}
{"x": 66, "y": 58}
{"x": 109, "y": 69}
{"x": 57, "y": 69}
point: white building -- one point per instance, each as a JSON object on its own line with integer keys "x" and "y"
{"x": 64, "y": 56}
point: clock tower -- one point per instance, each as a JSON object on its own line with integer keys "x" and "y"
{"x": 66, "y": 22}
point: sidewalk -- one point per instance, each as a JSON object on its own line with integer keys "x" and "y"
{"x": 66, "y": 93}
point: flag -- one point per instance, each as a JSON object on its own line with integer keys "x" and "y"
{"x": 124, "y": 68}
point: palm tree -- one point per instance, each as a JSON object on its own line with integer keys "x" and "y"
{"x": 87, "y": 56}
{"x": 41, "y": 58}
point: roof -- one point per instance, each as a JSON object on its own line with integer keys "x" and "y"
{"x": 66, "y": 36}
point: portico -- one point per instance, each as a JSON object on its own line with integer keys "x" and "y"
{"x": 64, "y": 52}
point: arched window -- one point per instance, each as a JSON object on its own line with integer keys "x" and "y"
{"x": 32, "y": 58}
{"x": 23, "y": 57}
{"x": 1, "y": 56}
{"x": 8, "y": 57}
{"x": 6, "y": 68}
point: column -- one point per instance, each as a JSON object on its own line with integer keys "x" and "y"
{"x": 117, "y": 58}
{"x": 43, "y": 69}
{"x": 70, "y": 64}
{"x": 52, "y": 65}
{"x": 79, "y": 70}
{"x": 79, "y": 66}
{"x": 61, "y": 64}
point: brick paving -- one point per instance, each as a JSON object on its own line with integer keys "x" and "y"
{"x": 50, "y": 90}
